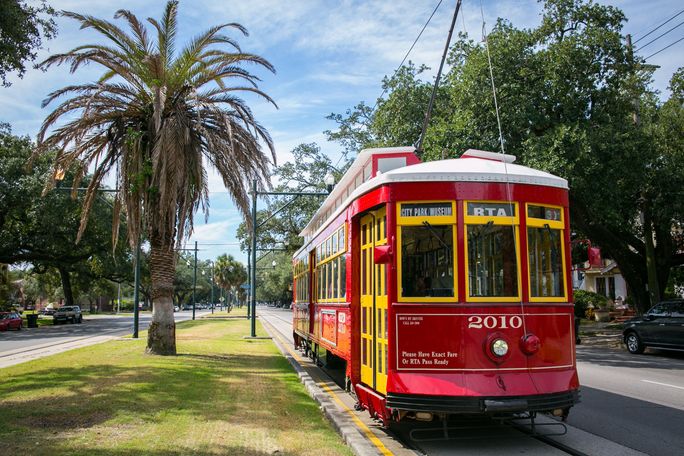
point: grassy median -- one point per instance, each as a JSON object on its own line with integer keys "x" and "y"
{"x": 222, "y": 394}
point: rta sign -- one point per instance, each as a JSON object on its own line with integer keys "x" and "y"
{"x": 491, "y": 209}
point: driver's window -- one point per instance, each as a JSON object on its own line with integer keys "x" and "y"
{"x": 659, "y": 310}
{"x": 427, "y": 257}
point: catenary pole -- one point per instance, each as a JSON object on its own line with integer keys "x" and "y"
{"x": 194, "y": 283}
{"x": 252, "y": 284}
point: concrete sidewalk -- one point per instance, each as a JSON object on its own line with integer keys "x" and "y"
{"x": 601, "y": 335}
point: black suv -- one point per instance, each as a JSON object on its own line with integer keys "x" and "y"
{"x": 661, "y": 327}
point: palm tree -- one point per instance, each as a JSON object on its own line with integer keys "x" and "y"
{"x": 153, "y": 119}
{"x": 229, "y": 273}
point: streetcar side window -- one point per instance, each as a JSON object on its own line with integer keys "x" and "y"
{"x": 492, "y": 252}
{"x": 427, "y": 261}
{"x": 545, "y": 252}
{"x": 331, "y": 268}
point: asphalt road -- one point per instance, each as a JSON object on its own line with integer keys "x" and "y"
{"x": 93, "y": 326}
{"x": 637, "y": 400}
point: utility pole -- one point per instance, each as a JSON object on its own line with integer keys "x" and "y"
{"x": 212, "y": 287}
{"x": 249, "y": 279}
{"x": 329, "y": 180}
{"x": 644, "y": 207}
{"x": 136, "y": 295}
{"x": 252, "y": 281}
{"x": 194, "y": 283}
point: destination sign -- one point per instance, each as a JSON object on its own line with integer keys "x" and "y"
{"x": 545, "y": 213}
{"x": 491, "y": 209}
{"x": 426, "y": 210}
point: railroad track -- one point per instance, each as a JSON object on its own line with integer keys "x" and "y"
{"x": 459, "y": 436}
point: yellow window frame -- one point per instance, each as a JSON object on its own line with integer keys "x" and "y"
{"x": 533, "y": 222}
{"x": 496, "y": 220}
{"x": 434, "y": 220}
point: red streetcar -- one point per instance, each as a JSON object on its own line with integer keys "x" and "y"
{"x": 444, "y": 286}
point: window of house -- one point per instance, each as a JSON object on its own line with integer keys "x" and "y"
{"x": 601, "y": 286}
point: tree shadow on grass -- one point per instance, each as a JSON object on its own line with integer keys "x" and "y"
{"x": 58, "y": 450}
{"x": 204, "y": 386}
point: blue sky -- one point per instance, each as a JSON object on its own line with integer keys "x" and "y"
{"x": 329, "y": 55}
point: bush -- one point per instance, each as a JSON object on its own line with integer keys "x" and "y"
{"x": 584, "y": 298}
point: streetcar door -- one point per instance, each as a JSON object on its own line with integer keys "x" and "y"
{"x": 373, "y": 302}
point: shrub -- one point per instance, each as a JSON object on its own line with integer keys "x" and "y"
{"x": 584, "y": 298}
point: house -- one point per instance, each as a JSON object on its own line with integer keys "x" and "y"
{"x": 602, "y": 277}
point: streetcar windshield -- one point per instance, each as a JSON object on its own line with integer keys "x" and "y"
{"x": 427, "y": 261}
{"x": 492, "y": 261}
{"x": 545, "y": 260}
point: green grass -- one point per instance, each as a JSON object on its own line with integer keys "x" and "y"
{"x": 222, "y": 394}
{"x": 43, "y": 320}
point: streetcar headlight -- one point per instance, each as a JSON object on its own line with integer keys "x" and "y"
{"x": 500, "y": 347}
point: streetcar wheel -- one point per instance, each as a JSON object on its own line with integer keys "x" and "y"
{"x": 634, "y": 344}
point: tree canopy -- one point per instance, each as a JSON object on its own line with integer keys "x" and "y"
{"x": 22, "y": 31}
{"x": 574, "y": 102}
{"x": 41, "y": 231}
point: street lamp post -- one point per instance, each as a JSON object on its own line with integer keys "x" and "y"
{"x": 194, "y": 281}
{"x": 211, "y": 278}
{"x": 136, "y": 291}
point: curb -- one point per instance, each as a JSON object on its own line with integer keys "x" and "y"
{"x": 351, "y": 435}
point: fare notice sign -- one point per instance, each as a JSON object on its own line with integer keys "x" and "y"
{"x": 426, "y": 210}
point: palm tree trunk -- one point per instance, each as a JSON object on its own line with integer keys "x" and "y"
{"x": 161, "y": 337}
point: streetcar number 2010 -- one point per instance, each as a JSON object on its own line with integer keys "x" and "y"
{"x": 491, "y": 322}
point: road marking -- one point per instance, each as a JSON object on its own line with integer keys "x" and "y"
{"x": 664, "y": 384}
{"x": 369, "y": 434}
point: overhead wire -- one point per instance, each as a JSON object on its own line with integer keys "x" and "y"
{"x": 410, "y": 49}
{"x": 666, "y": 47}
{"x": 655, "y": 29}
{"x": 400, "y": 65}
{"x": 509, "y": 193}
{"x": 661, "y": 35}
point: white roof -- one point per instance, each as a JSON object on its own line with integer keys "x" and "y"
{"x": 470, "y": 168}
{"x": 473, "y": 166}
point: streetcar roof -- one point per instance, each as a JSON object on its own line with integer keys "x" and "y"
{"x": 472, "y": 166}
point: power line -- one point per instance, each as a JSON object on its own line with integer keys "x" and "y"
{"x": 682, "y": 11}
{"x": 409, "y": 51}
{"x": 666, "y": 47}
{"x": 662, "y": 35}
{"x": 400, "y": 65}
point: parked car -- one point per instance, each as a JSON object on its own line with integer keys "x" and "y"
{"x": 10, "y": 320}
{"x": 661, "y": 327}
{"x": 176, "y": 308}
{"x": 48, "y": 311}
{"x": 68, "y": 313}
